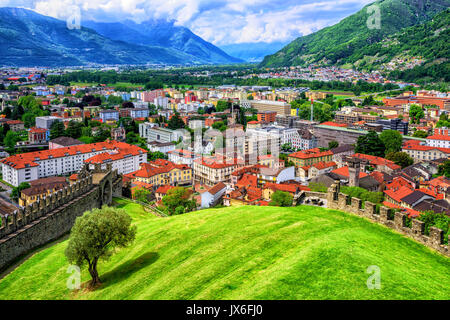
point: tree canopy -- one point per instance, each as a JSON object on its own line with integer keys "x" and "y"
{"x": 95, "y": 235}
{"x": 392, "y": 140}
{"x": 281, "y": 199}
{"x": 370, "y": 144}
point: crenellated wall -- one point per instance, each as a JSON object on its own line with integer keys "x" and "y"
{"x": 52, "y": 217}
{"x": 343, "y": 202}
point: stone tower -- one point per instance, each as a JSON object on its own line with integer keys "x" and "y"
{"x": 354, "y": 168}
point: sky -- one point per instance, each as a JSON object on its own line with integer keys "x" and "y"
{"x": 218, "y": 21}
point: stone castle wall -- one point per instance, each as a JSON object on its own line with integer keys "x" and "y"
{"x": 50, "y": 218}
{"x": 343, "y": 202}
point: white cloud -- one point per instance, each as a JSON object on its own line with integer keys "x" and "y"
{"x": 218, "y": 21}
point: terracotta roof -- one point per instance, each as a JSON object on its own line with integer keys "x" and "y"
{"x": 377, "y": 160}
{"x": 439, "y": 137}
{"x": 14, "y": 122}
{"x": 323, "y": 165}
{"x": 425, "y": 148}
{"x": 38, "y": 130}
{"x": 281, "y": 187}
{"x": 311, "y": 153}
{"x": 345, "y": 173}
{"x": 218, "y": 187}
{"x": 248, "y": 180}
{"x": 23, "y": 160}
{"x": 218, "y": 162}
{"x": 399, "y": 194}
{"x": 334, "y": 124}
{"x": 164, "y": 189}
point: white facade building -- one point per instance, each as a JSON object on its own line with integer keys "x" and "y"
{"x": 63, "y": 161}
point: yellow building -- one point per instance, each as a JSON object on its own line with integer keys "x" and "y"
{"x": 162, "y": 172}
{"x": 315, "y": 95}
{"x": 310, "y": 157}
{"x": 40, "y": 189}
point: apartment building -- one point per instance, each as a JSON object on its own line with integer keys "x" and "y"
{"x": 139, "y": 113}
{"x": 15, "y": 125}
{"x": 30, "y": 166}
{"x": 212, "y": 170}
{"x": 423, "y": 153}
{"x": 109, "y": 115}
{"x": 46, "y": 121}
{"x": 267, "y": 116}
{"x": 281, "y": 108}
{"x": 181, "y": 156}
{"x": 153, "y": 133}
{"x": 439, "y": 141}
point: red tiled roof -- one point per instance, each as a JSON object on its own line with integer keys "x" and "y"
{"x": 248, "y": 180}
{"x": 334, "y": 124}
{"x": 345, "y": 173}
{"x": 323, "y": 165}
{"x": 399, "y": 182}
{"x": 377, "y": 175}
{"x": 218, "y": 162}
{"x": 156, "y": 167}
{"x": 20, "y": 161}
{"x": 311, "y": 153}
{"x": 38, "y": 130}
{"x": 164, "y": 189}
{"x": 439, "y": 137}
{"x": 14, "y": 122}
{"x": 425, "y": 148}
{"x": 377, "y": 160}
{"x": 220, "y": 186}
{"x": 140, "y": 184}
{"x": 398, "y": 194}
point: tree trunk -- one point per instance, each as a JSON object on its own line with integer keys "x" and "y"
{"x": 94, "y": 274}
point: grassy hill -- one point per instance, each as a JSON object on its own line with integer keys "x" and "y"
{"x": 246, "y": 253}
{"x": 335, "y": 44}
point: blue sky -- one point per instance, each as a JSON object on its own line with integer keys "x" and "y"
{"x": 218, "y": 21}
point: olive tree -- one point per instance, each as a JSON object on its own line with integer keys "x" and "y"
{"x": 96, "y": 235}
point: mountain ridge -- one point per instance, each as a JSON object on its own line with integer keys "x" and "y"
{"x": 330, "y": 45}
{"x": 29, "y": 39}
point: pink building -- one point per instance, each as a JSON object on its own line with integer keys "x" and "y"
{"x": 149, "y": 96}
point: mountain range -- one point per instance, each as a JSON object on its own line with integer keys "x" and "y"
{"x": 341, "y": 43}
{"x": 252, "y": 52}
{"x": 30, "y": 39}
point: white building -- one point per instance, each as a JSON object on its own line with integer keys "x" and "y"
{"x": 181, "y": 156}
{"x": 161, "y": 102}
{"x": 163, "y": 147}
{"x": 30, "y": 166}
{"x": 439, "y": 141}
{"x": 211, "y": 197}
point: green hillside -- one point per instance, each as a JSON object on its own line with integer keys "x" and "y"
{"x": 247, "y": 253}
{"x": 333, "y": 45}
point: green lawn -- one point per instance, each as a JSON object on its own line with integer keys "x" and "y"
{"x": 246, "y": 253}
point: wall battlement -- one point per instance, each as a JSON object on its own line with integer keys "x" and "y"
{"x": 22, "y": 217}
{"x": 53, "y": 216}
{"x": 339, "y": 201}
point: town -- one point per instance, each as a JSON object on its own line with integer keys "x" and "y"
{"x": 224, "y": 150}
{"x": 228, "y": 145}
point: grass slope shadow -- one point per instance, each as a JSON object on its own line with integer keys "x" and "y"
{"x": 127, "y": 268}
